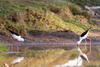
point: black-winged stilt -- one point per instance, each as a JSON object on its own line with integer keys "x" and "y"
{"x": 17, "y": 37}
{"x": 84, "y": 36}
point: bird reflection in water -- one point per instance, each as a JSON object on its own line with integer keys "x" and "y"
{"x": 77, "y": 61}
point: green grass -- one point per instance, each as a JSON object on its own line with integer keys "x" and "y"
{"x": 52, "y": 15}
{"x": 3, "y": 47}
{"x": 77, "y": 25}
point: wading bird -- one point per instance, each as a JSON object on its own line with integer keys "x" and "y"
{"x": 84, "y": 36}
{"x": 17, "y": 37}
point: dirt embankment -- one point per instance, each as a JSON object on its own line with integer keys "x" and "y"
{"x": 50, "y": 37}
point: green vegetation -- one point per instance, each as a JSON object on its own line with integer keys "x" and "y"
{"x": 48, "y": 57}
{"x": 45, "y": 15}
{"x": 24, "y": 15}
{"x": 3, "y": 47}
{"x": 51, "y": 53}
{"x": 41, "y": 57}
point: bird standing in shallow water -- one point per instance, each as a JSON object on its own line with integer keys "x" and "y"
{"x": 83, "y": 36}
{"x": 17, "y": 37}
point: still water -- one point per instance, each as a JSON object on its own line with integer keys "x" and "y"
{"x": 51, "y": 56}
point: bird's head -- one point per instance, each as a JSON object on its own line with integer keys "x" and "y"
{"x": 78, "y": 43}
{"x": 89, "y": 28}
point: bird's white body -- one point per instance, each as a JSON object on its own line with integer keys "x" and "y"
{"x": 80, "y": 40}
{"x": 75, "y": 62}
{"x": 17, "y": 60}
{"x": 84, "y": 37}
{"x": 19, "y": 38}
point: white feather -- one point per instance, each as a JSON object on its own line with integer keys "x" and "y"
{"x": 19, "y": 38}
{"x": 80, "y": 40}
{"x": 17, "y": 60}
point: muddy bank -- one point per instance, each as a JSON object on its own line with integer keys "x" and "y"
{"x": 48, "y": 37}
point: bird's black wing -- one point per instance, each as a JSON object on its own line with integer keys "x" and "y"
{"x": 84, "y": 33}
{"x": 83, "y": 57}
{"x": 13, "y": 33}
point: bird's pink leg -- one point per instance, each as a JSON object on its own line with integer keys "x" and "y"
{"x": 17, "y": 47}
{"x": 85, "y": 43}
{"x": 21, "y": 43}
{"x": 12, "y": 47}
{"x": 90, "y": 43}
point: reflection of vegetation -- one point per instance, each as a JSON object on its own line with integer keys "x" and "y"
{"x": 48, "y": 57}
{"x": 48, "y": 53}
{"x": 3, "y": 47}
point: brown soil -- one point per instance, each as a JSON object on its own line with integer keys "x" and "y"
{"x": 50, "y": 37}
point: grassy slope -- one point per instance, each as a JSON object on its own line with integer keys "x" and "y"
{"x": 49, "y": 16}
{"x": 42, "y": 15}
